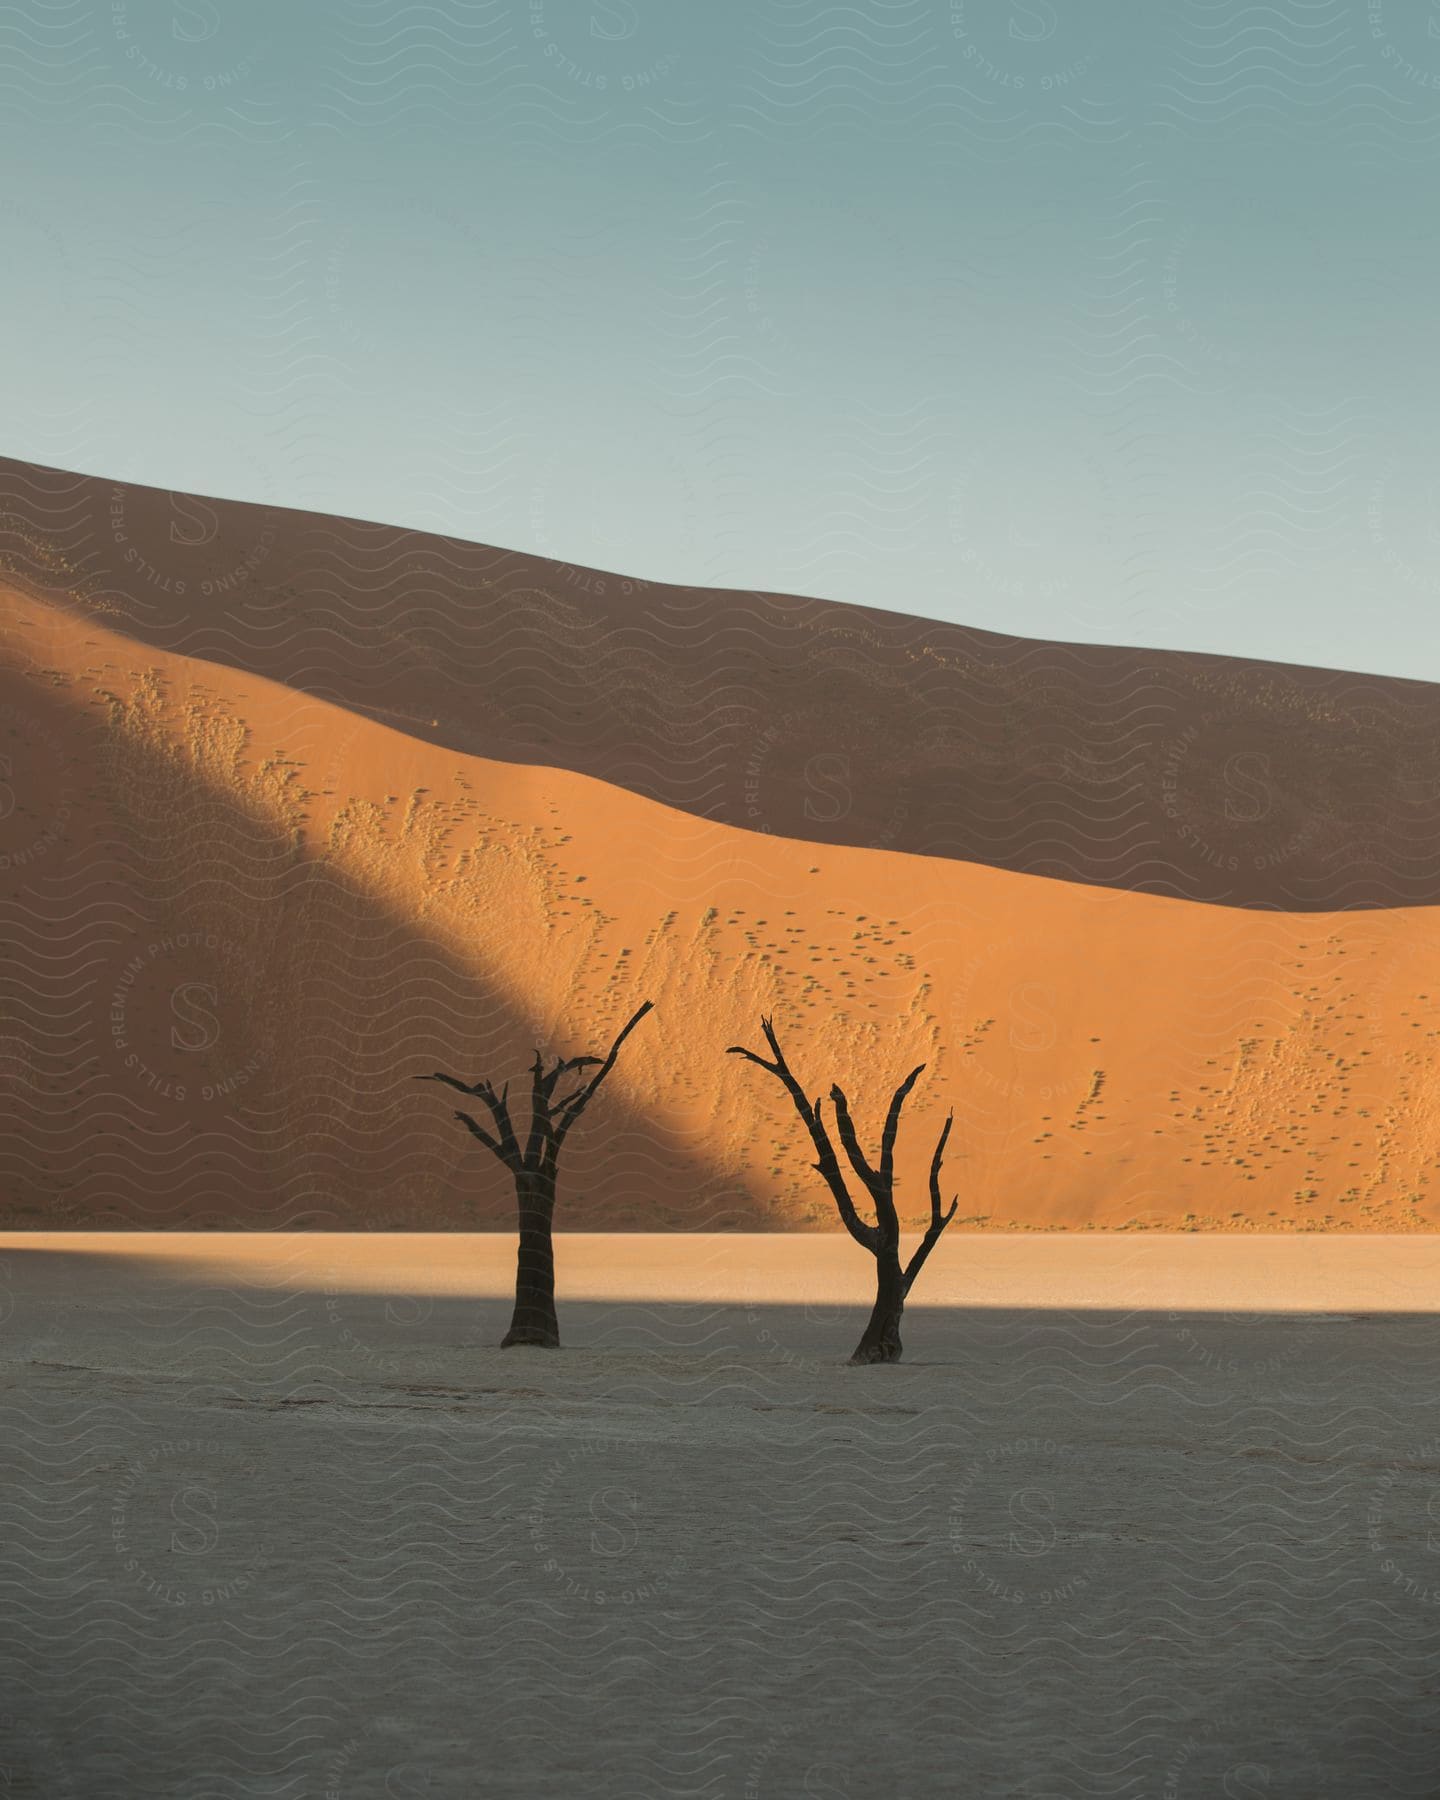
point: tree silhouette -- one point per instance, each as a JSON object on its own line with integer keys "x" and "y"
{"x": 880, "y": 1342}
{"x": 534, "y": 1169}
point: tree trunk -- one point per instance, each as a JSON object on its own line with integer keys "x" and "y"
{"x": 534, "y": 1321}
{"x": 881, "y": 1340}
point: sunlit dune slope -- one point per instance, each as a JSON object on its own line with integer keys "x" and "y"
{"x": 1200, "y": 777}
{"x": 238, "y": 921}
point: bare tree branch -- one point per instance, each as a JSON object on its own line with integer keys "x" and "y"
{"x": 540, "y": 1137}
{"x": 503, "y": 1145}
{"x": 852, "y": 1143}
{"x": 575, "y": 1104}
{"x": 563, "y": 1066}
{"x": 938, "y": 1221}
{"x": 780, "y": 1069}
{"x": 829, "y": 1167}
{"x": 460, "y": 1087}
{"x": 827, "y": 1164}
{"x": 767, "y": 1025}
{"x": 892, "y": 1126}
{"x": 935, "y": 1162}
{"x": 500, "y": 1112}
{"x": 484, "y": 1136}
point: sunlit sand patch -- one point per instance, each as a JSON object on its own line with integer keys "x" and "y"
{"x": 1169, "y": 1272}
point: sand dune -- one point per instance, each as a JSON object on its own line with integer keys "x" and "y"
{"x": 241, "y": 919}
{"x": 1203, "y": 777}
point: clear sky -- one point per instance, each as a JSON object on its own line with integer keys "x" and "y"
{"x": 1104, "y": 319}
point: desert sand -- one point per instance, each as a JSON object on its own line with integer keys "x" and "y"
{"x": 281, "y": 1521}
{"x": 241, "y": 919}
{"x": 1194, "y": 1273}
{"x": 1203, "y": 777}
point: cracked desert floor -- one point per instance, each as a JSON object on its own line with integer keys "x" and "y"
{"x": 1138, "y": 1517}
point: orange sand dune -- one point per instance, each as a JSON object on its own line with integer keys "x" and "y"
{"x": 239, "y": 920}
{"x": 1194, "y": 776}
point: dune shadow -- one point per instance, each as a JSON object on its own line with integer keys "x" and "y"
{"x": 1204, "y": 777}
{"x": 213, "y": 1024}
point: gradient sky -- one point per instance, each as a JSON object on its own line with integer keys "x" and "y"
{"x": 1108, "y": 322}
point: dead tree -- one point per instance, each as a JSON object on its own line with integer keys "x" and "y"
{"x": 534, "y": 1169}
{"x": 881, "y": 1340}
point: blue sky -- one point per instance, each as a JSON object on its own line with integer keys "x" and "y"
{"x": 1097, "y": 322}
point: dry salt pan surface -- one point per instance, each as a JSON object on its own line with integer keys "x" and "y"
{"x": 1137, "y": 1516}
